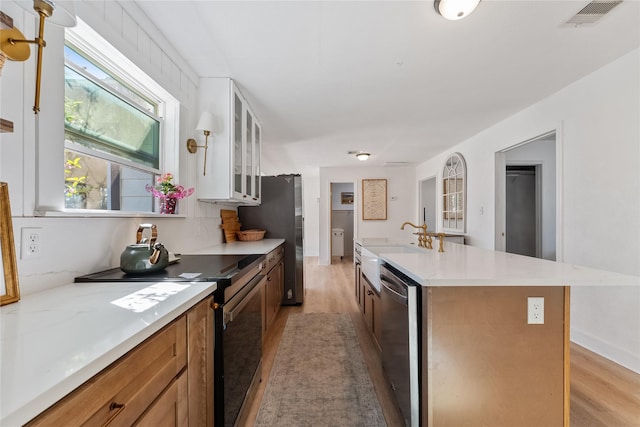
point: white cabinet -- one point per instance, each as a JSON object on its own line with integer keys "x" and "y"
{"x": 233, "y": 158}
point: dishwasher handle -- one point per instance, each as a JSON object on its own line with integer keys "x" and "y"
{"x": 392, "y": 293}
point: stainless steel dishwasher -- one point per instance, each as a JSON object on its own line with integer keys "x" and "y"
{"x": 400, "y": 296}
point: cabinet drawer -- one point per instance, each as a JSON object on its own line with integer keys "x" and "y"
{"x": 170, "y": 409}
{"x": 274, "y": 256}
{"x": 122, "y": 392}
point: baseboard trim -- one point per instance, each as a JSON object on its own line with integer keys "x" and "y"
{"x": 615, "y": 354}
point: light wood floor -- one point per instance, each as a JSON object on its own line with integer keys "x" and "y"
{"x": 602, "y": 392}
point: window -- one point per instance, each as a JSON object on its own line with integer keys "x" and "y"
{"x": 454, "y": 179}
{"x": 121, "y": 129}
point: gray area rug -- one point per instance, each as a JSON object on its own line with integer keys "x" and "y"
{"x": 319, "y": 377}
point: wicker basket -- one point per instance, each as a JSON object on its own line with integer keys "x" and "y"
{"x": 251, "y": 235}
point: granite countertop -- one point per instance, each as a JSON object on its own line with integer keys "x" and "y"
{"x": 461, "y": 265}
{"x": 53, "y": 341}
{"x": 263, "y": 246}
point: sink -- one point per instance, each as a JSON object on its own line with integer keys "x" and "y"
{"x": 393, "y": 249}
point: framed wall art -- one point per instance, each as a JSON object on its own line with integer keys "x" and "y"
{"x": 346, "y": 198}
{"x": 9, "y": 290}
{"x": 374, "y": 199}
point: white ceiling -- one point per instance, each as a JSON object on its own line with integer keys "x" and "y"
{"x": 389, "y": 77}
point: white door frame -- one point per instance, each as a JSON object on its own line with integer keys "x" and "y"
{"x": 500, "y": 191}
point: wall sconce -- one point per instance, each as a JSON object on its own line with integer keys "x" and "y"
{"x": 455, "y": 9}
{"x": 206, "y": 125}
{"x": 14, "y": 45}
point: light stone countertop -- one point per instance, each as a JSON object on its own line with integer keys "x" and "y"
{"x": 462, "y": 265}
{"x": 263, "y": 246}
{"x": 53, "y": 341}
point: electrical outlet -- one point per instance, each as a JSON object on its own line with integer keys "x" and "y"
{"x": 535, "y": 310}
{"x": 31, "y": 246}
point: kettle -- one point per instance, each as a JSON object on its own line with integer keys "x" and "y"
{"x": 146, "y": 256}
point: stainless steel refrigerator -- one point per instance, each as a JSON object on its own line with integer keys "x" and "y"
{"x": 280, "y": 213}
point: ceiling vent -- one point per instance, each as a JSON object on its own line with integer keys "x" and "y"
{"x": 592, "y": 12}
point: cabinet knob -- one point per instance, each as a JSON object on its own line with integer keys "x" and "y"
{"x": 215, "y": 305}
{"x": 269, "y": 279}
{"x": 369, "y": 292}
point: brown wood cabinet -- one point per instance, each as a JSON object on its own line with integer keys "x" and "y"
{"x": 200, "y": 346}
{"x": 483, "y": 364}
{"x": 371, "y": 309}
{"x": 274, "y": 289}
{"x": 165, "y": 380}
{"x": 170, "y": 409}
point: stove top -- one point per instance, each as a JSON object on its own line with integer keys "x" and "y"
{"x": 190, "y": 268}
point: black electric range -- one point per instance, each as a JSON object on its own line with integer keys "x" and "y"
{"x": 237, "y": 335}
{"x": 223, "y": 269}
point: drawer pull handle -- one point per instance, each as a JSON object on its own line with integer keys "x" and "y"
{"x": 115, "y": 405}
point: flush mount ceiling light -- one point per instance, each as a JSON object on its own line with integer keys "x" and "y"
{"x": 361, "y": 155}
{"x": 455, "y": 9}
{"x": 14, "y": 45}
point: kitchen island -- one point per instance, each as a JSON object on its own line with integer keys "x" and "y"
{"x": 482, "y": 361}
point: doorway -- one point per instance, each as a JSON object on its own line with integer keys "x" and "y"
{"x": 526, "y": 200}
{"x": 342, "y": 221}
{"x": 522, "y": 213}
{"x": 428, "y": 203}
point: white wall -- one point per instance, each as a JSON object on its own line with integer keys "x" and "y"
{"x": 596, "y": 120}
{"x": 73, "y": 246}
{"x": 311, "y": 209}
{"x": 336, "y": 201}
{"x": 401, "y": 185}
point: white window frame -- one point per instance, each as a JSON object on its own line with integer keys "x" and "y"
{"x": 49, "y": 191}
{"x": 443, "y": 208}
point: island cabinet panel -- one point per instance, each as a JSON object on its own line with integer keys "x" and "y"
{"x": 200, "y": 346}
{"x": 483, "y": 364}
{"x": 121, "y": 393}
{"x": 371, "y": 309}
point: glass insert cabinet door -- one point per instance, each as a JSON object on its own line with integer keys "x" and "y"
{"x": 248, "y": 169}
{"x": 256, "y": 161}
{"x": 237, "y": 145}
{"x": 454, "y": 179}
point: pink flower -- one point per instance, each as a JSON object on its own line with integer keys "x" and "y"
{"x": 165, "y": 189}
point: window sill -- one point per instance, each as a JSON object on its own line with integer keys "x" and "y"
{"x": 91, "y": 213}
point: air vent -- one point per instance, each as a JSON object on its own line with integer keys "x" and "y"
{"x": 592, "y": 12}
{"x": 391, "y": 164}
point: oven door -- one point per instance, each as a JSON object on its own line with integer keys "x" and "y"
{"x": 242, "y": 347}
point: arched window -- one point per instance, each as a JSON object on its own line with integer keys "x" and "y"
{"x": 454, "y": 184}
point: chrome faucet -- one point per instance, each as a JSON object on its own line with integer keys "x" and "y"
{"x": 424, "y": 241}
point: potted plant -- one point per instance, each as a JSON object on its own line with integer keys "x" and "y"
{"x": 168, "y": 193}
